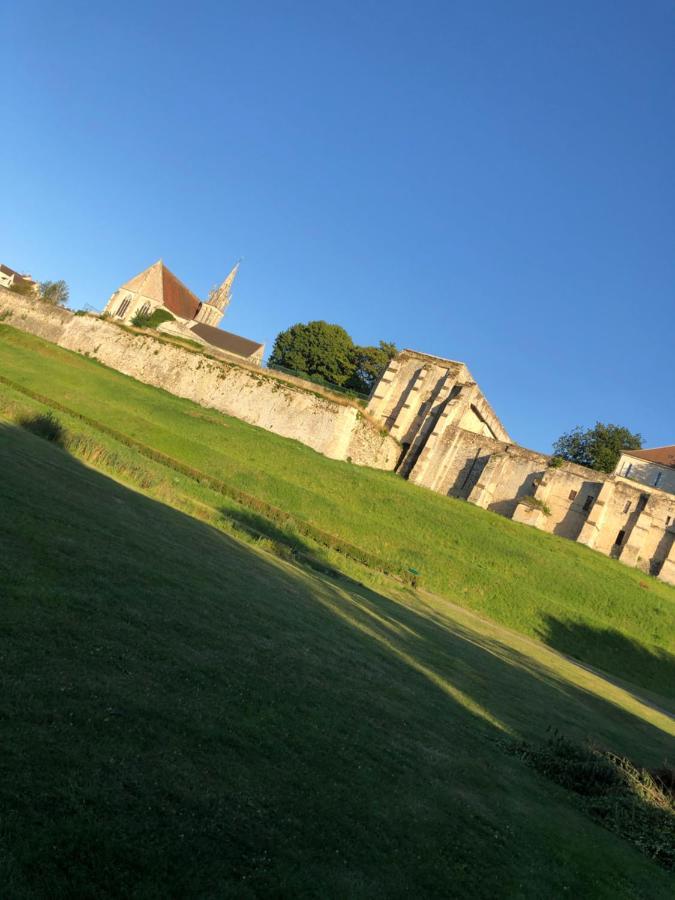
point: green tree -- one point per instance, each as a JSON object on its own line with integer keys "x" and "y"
{"x": 317, "y": 348}
{"x": 369, "y": 364}
{"x": 54, "y": 292}
{"x": 598, "y": 447}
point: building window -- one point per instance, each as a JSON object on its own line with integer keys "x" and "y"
{"x": 628, "y": 469}
{"x": 572, "y": 495}
{"x": 144, "y": 310}
{"x": 657, "y": 479}
{"x": 123, "y": 307}
{"x": 588, "y": 502}
{"x": 619, "y": 538}
{"x": 668, "y": 520}
{"x": 627, "y": 506}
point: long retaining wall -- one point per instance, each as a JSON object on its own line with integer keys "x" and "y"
{"x": 334, "y": 427}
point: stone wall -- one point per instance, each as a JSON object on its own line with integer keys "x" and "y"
{"x": 286, "y": 406}
{"x": 451, "y": 440}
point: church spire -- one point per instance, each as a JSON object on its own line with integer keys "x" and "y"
{"x": 213, "y": 308}
{"x": 220, "y": 297}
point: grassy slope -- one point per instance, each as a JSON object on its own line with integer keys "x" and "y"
{"x": 182, "y": 715}
{"x": 574, "y": 599}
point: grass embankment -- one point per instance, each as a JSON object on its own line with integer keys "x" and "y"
{"x": 572, "y": 598}
{"x": 183, "y": 715}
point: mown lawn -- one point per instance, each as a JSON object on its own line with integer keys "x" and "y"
{"x": 185, "y": 716}
{"x": 572, "y": 598}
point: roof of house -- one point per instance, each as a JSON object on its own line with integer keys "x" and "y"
{"x": 7, "y": 271}
{"x": 227, "y": 341}
{"x": 159, "y": 283}
{"x": 664, "y": 456}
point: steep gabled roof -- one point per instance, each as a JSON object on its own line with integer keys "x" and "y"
{"x": 158, "y": 283}
{"x": 227, "y": 341}
{"x": 664, "y": 456}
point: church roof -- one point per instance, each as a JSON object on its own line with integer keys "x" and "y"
{"x": 158, "y": 283}
{"x": 225, "y": 340}
{"x": 664, "y": 456}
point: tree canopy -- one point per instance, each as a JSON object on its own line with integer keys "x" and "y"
{"x": 597, "y": 448}
{"x": 54, "y": 292}
{"x": 327, "y": 350}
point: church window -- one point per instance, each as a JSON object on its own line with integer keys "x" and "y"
{"x": 619, "y": 538}
{"x": 572, "y": 495}
{"x": 588, "y": 502}
{"x": 123, "y": 307}
{"x": 627, "y": 506}
{"x": 144, "y": 310}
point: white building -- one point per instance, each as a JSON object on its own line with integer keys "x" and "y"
{"x": 654, "y": 467}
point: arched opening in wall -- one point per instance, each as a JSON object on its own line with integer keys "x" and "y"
{"x": 405, "y": 446}
{"x": 662, "y": 551}
{"x": 123, "y": 307}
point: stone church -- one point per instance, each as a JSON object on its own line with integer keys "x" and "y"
{"x": 158, "y": 288}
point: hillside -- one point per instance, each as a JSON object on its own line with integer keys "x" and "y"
{"x": 185, "y": 715}
{"x": 239, "y": 477}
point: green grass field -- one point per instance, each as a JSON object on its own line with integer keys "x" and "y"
{"x": 185, "y": 714}
{"x": 573, "y": 599}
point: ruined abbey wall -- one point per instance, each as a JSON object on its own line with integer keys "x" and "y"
{"x": 453, "y": 443}
{"x": 286, "y": 406}
{"x": 446, "y": 437}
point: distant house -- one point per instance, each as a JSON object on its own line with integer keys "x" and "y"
{"x": 158, "y": 288}
{"x": 13, "y": 280}
{"x": 654, "y": 467}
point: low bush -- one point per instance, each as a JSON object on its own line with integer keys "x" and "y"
{"x": 535, "y": 503}
{"x": 631, "y": 802}
{"x": 46, "y": 426}
{"x": 153, "y": 319}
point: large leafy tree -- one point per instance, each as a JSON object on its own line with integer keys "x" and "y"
{"x": 54, "y": 292}
{"x": 320, "y": 348}
{"x": 369, "y": 364}
{"x": 599, "y": 447}
{"x": 317, "y": 348}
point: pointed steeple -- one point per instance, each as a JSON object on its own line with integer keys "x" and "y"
{"x": 220, "y": 296}
{"x": 213, "y": 308}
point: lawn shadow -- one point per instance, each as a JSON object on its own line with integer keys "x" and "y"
{"x": 186, "y": 712}
{"x": 581, "y": 641}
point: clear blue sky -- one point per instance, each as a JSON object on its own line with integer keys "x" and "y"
{"x": 487, "y": 180}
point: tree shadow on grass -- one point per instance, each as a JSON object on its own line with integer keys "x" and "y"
{"x": 183, "y": 716}
{"x": 432, "y": 643}
{"x": 613, "y": 652}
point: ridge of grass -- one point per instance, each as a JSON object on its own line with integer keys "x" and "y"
{"x": 575, "y": 600}
{"x": 186, "y": 716}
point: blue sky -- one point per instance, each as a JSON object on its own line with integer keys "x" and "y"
{"x": 486, "y": 180}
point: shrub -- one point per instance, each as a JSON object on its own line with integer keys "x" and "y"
{"x": 555, "y": 462}
{"x": 631, "y": 802}
{"x": 46, "y": 426}
{"x": 153, "y": 319}
{"x": 535, "y": 503}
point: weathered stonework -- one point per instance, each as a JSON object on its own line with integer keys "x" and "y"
{"x": 455, "y": 445}
{"x": 448, "y": 437}
{"x": 284, "y": 405}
